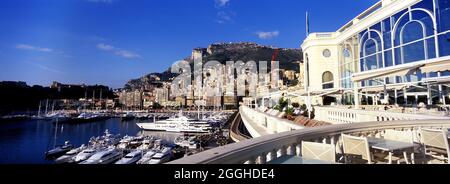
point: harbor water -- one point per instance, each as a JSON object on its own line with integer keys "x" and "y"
{"x": 26, "y": 142}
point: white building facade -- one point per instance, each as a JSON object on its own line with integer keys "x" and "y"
{"x": 396, "y": 52}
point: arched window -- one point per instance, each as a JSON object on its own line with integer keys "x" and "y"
{"x": 347, "y": 52}
{"x": 371, "y": 48}
{"x": 410, "y": 36}
{"x": 327, "y": 80}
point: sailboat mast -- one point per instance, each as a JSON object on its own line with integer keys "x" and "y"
{"x": 93, "y": 99}
{"x": 53, "y": 106}
{"x": 46, "y": 107}
{"x": 101, "y": 104}
{"x": 39, "y": 111}
{"x": 85, "y": 99}
{"x": 56, "y": 131}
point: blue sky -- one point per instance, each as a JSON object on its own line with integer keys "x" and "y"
{"x": 111, "y": 41}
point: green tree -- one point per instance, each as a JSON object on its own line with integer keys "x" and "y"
{"x": 157, "y": 106}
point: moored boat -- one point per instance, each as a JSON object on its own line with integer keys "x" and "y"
{"x": 85, "y": 154}
{"x": 162, "y": 156}
{"x": 58, "y": 150}
{"x": 69, "y": 157}
{"x": 131, "y": 158}
{"x": 178, "y": 124}
{"x": 107, "y": 156}
{"x": 147, "y": 157}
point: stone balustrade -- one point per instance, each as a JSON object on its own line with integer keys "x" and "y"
{"x": 266, "y": 148}
{"x": 338, "y": 115}
{"x": 259, "y": 123}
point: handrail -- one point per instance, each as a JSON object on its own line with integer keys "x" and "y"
{"x": 337, "y": 115}
{"x": 235, "y": 133}
{"x": 252, "y": 149}
{"x": 264, "y": 123}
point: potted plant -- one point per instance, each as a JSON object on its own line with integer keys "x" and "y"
{"x": 290, "y": 113}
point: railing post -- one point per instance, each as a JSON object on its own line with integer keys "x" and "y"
{"x": 356, "y": 95}
{"x": 298, "y": 148}
{"x": 262, "y": 159}
{"x": 272, "y": 155}
{"x": 282, "y": 151}
{"x": 332, "y": 140}
{"x": 291, "y": 150}
{"x": 250, "y": 161}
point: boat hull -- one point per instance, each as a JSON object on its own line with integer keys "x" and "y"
{"x": 148, "y": 126}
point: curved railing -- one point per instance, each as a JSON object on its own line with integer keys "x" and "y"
{"x": 235, "y": 133}
{"x": 265, "y": 148}
{"x": 260, "y": 123}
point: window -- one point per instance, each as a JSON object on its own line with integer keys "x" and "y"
{"x": 347, "y": 53}
{"x": 307, "y": 70}
{"x": 326, "y": 53}
{"x": 412, "y": 29}
{"x": 443, "y": 13}
{"x": 346, "y": 65}
{"x": 444, "y": 44}
{"x": 327, "y": 80}
{"x": 419, "y": 32}
{"x": 371, "y": 50}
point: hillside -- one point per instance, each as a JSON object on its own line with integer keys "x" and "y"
{"x": 222, "y": 52}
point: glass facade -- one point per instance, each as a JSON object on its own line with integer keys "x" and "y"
{"x": 348, "y": 58}
{"x": 417, "y": 33}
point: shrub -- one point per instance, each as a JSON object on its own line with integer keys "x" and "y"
{"x": 289, "y": 111}
{"x": 282, "y": 103}
{"x": 303, "y": 107}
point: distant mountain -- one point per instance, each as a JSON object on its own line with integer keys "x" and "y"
{"x": 248, "y": 51}
{"x": 223, "y": 52}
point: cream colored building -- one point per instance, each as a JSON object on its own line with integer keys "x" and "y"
{"x": 396, "y": 52}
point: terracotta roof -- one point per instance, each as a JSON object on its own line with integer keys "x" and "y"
{"x": 304, "y": 121}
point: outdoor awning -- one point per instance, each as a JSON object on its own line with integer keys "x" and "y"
{"x": 381, "y": 88}
{"x": 325, "y": 92}
{"x": 436, "y": 66}
{"x": 437, "y": 80}
{"x": 430, "y": 65}
{"x": 401, "y": 70}
{"x": 297, "y": 94}
{"x": 334, "y": 92}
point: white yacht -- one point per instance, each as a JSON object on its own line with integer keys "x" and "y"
{"x": 188, "y": 142}
{"x": 124, "y": 142}
{"x": 104, "y": 157}
{"x": 69, "y": 157}
{"x": 178, "y": 124}
{"x": 85, "y": 154}
{"x": 162, "y": 156}
{"x": 147, "y": 143}
{"x": 147, "y": 157}
{"x": 131, "y": 158}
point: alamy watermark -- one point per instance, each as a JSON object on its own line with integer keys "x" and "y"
{"x": 213, "y": 79}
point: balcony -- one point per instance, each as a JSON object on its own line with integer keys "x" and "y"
{"x": 268, "y": 148}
